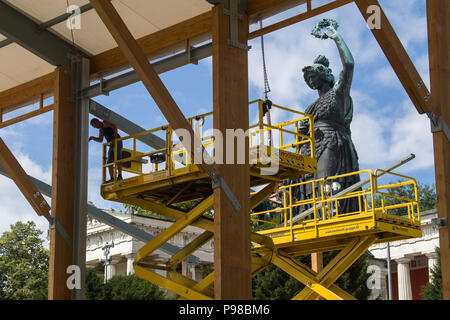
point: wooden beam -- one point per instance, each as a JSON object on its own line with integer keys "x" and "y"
{"x": 153, "y": 43}
{"x": 398, "y": 58}
{"x": 317, "y": 261}
{"x": 298, "y": 18}
{"x": 265, "y": 8}
{"x": 174, "y": 38}
{"x": 29, "y": 115}
{"x": 22, "y": 180}
{"x": 63, "y": 185}
{"x": 148, "y": 76}
{"x": 26, "y": 93}
{"x": 438, "y": 12}
{"x": 232, "y": 273}
{"x": 153, "y": 46}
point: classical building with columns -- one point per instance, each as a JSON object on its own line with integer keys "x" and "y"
{"x": 125, "y": 247}
{"x": 411, "y": 262}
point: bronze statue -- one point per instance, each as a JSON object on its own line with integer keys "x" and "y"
{"x": 333, "y": 113}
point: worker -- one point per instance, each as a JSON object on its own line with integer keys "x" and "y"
{"x": 108, "y": 130}
{"x": 280, "y": 201}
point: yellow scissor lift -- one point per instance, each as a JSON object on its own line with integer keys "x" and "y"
{"x": 172, "y": 180}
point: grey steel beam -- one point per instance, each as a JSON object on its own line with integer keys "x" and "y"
{"x": 5, "y": 42}
{"x": 28, "y": 34}
{"x": 80, "y": 79}
{"x": 65, "y": 16}
{"x": 191, "y": 56}
{"x": 53, "y": 22}
{"x": 110, "y": 220}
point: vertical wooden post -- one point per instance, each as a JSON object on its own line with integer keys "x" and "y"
{"x": 438, "y": 12}
{"x": 63, "y": 185}
{"x": 232, "y": 278}
{"x": 317, "y": 264}
{"x": 317, "y": 261}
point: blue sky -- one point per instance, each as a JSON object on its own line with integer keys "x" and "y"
{"x": 385, "y": 127}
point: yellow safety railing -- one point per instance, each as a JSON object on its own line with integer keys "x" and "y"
{"x": 324, "y": 206}
{"x": 135, "y": 155}
{"x": 411, "y": 206}
{"x": 299, "y": 139}
{"x": 288, "y": 139}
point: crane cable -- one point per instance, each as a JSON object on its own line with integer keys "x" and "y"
{"x": 266, "y": 78}
{"x": 267, "y": 104}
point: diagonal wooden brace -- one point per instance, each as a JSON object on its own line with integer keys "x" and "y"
{"x": 157, "y": 89}
{"x": 29, "y": 190}
{"x": 397, "y": 56}
{"x": 22, "y": 180}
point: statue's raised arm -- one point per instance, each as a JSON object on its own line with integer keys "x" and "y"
{"x": 345, "y": 79}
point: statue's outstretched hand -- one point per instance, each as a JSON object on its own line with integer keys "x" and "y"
{"x": 331, "y": 32}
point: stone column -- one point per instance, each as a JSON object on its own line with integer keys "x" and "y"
{"x": 404, "y": 279}
{"x": 196, "y": 272}
{"x": 110, "y": 271}
{"x": 432, "y": 262}
{"x": 130, "y": 260}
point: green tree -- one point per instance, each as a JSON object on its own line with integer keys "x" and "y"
{"x": 433, "y": 289}
{"x": 354, "y": 280}
{"x": 121, "y": 287}
{"x": 131, "y": 287}
{"x": 94, "y": 285}
{"x": 426, "y": 196}
{"x": 274, "y": 284}
{"x": 23, "y": 263}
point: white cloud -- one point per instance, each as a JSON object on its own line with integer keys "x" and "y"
{"x": 386, "y": 77}
{"x": 13, "y": 205}
{"x": 383, "y": 140}
{"x": 408, "y": 21}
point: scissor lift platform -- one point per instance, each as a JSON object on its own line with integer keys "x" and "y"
{"x": 296, "y": 227}
{"x": 175, "y": 180}
{"x": 190, "y": 183}
{"x": 316, "y": 225}
{"x": 323, "y": 229}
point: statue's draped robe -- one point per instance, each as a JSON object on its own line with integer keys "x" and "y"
{"x": 334, "y": 149}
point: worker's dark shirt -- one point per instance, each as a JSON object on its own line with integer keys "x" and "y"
{"x": 108, "y": 133}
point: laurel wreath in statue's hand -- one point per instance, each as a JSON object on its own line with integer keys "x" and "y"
{"x": 319, "y": 30}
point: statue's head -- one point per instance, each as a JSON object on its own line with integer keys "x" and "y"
{"x": 319, "y": 73}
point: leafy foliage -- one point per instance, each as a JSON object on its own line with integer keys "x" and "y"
{"x": 142, "y": 212}
{"x": 433, "y": 289}
{"x": 131, "y": 287}
{"x": 426, "y": 196}
{"x": 121, "y": 287}
{"x": 94, "y": 285}
{"x": 23, "y": 263}
{"x": 275, "y": 284}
